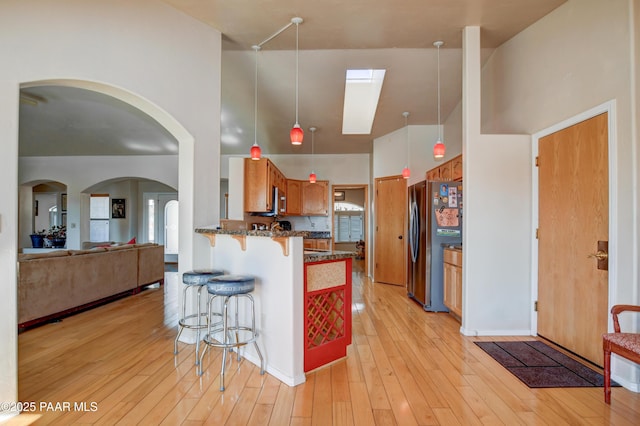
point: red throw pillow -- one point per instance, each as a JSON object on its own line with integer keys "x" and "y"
{"x": 132, "y": 241}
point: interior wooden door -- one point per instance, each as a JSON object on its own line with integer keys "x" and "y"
{"x": 573, "y": 217}
{"x": 390, "y": 229}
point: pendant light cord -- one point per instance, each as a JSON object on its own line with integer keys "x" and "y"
{"x": 255, "y": 97}
{"x": 406, "y": 125}
{"x": 297, "y": 28}
{"x": 313, "y": 132}
{"x": 439, "y": 127}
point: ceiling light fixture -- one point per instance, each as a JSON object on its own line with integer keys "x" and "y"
{"x": 256, "y": 152}
{"x": 439, "y": 148}
{"x": 296, "y": 132}
{"x": 406, "y": 172}
{"x": 312, "y": 175}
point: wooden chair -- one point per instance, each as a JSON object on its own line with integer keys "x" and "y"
{"x": 626, "y": 345}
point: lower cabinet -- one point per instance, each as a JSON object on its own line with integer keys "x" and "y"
{"x": 453, "y": 281}
{"x": 317, "y": 243}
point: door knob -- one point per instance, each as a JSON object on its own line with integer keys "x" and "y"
{"x": 600, "y": 255}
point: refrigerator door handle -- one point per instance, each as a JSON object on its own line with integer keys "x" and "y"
{"x": 414, "y": 231}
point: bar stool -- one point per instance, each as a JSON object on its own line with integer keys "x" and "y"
{"x": 231, "y": 288}
{"x": 194, "y": 281}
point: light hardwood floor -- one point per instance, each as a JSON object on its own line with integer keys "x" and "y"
{"x": 405, "y": 366}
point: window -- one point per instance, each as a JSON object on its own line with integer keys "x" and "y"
{"x": 348, "y": 226}
{"x": 99, "y": 218}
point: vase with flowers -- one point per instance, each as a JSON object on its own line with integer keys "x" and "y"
{"x": 57, "y": 235}
{"x": 37, "y": 238}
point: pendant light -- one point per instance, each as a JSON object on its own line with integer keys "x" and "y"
{"x": 406, "y": 172}
{"x": 312, "y": 175}
{"x": 439, "y": 148}
{"x": 256, "y": 152}
{"x": 296, "y": 132}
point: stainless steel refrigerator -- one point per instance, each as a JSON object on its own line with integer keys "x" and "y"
{"x": 435, "y": 221}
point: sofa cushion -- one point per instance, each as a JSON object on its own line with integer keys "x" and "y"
{"x": 88, "y": 251}
{"x": 31, "y": 256}
{"x": 121, "y": 247}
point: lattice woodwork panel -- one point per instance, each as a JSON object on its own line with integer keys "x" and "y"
{"x": 325, "y": 317}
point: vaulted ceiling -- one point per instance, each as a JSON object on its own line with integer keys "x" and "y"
{"x": 336, "y": 35}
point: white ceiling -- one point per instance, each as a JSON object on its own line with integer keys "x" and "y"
{"x": 335, "y": 35}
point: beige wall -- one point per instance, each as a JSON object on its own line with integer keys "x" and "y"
{"x": 106, "y": 46}
{"x": 579, "y": 57}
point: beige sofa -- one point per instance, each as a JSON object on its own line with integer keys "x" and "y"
{"x": 55, "y": 284}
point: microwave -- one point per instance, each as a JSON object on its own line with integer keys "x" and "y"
{"x": 278, "y": 205}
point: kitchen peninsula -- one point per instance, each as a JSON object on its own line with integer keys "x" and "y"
{"x": 303, "y": 297}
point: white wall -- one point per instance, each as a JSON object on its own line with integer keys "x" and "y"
{"x": 390, "y": 152}
{"x": 578, "y": 57}
{"x": 124, "y": 49}
{"x": 574, "y": 59}
{"x": 81, "y": 173}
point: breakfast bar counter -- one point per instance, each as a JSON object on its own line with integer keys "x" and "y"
{"x": 280, "y": 264}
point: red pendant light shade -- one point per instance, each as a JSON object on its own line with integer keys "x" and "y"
{"x": 256, "y": 152}
{"x": 312, "y": 177}
{"x": 297, "y": 134}
{"x": 438, "y": 150}
{"x": 406, "y": 173}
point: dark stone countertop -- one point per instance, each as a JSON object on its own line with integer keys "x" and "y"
{"x": 318, "y": 235}
{"x": 311, "y": 256}
{"x": 252, "y": 233}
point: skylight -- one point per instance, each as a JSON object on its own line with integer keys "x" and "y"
{"x": 361, "y": 94}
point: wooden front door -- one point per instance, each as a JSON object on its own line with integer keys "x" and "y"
{"x": 573, "y": 217}
{"x": 390, "y": 229}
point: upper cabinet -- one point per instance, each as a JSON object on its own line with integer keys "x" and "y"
{"x": 456, "y": 168}
{"x": 315, "y": 198}
{"x": 260, "y": 177}
{"x": 451, "y": 170}
{"x": 296, "y": 197}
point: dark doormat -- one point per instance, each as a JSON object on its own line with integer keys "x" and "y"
{"x": 541, "y": 366}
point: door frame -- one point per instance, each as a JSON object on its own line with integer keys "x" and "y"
{"x": 367, "y": 237}
{"x": 609, "y": 108}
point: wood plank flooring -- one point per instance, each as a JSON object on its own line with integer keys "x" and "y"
{"x": 405, "y": 367}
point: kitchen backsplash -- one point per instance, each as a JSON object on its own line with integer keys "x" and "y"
{"x": 309, "y": 223}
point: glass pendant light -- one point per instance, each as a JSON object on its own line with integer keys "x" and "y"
{"x": 296, "y": 133}
{"x": 439, "y": 148}
{"x": 312, "y": 175}
{"x": 256, "y": 152}
{"x": 406, "y": 172}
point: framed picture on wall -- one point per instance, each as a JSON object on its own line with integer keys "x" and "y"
{"x": 63, "y": 202}
{"x": 118, "y": 208}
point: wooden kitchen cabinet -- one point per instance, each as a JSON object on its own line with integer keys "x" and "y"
{"x": 315, "y": 201}
{"x": 317, "y": 243}
{"x": 445, "y": 171}
{"x": 451, "y": 170}
{"x": 433, "y": 175}
{"x": 453, "y": 281}
{"x": 456, "y": 168}
{"x": 260, "y": 177}
{"x": 294, "y": 197}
